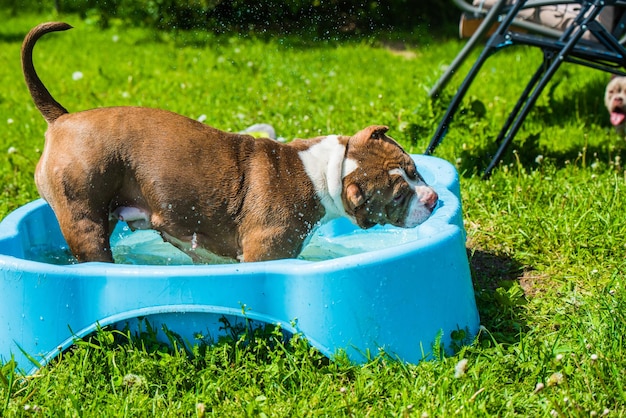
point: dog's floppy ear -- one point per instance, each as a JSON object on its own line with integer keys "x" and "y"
{"x": 354, "y": 197}
{"x": 372, "y": 132}
{"x": 377, "y": 132}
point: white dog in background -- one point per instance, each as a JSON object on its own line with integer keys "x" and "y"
{"x": 615, "y": 101}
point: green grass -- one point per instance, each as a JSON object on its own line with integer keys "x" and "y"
{"x": 546, "y": 234}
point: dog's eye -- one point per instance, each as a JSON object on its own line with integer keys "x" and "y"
{"x": 398, "y": 197}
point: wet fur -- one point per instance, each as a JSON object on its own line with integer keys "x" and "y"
{"x": 206, "y": 190}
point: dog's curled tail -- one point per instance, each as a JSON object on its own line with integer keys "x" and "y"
{"x": 49, "y": 108}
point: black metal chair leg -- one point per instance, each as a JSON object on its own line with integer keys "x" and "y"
{"x": 456, "y": 101}
{"x": 530, "y": 87}
{"x": 516, "y": 125}
{"x": 554, "y": 63}
{"x": 503, "y": 139}
{"x": 493, "y": 44}
{"x": 481, "y": 31}
{"x": 605, "y": 53}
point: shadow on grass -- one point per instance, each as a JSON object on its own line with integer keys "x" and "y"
{"x": 499, "y": 295}
{"x": 583, "y": 106}
{"x": 490, "y": 271}
{"x": 585, "y": 102}
{"x": 11, "y": 38}
{"x": 526, "y": 151}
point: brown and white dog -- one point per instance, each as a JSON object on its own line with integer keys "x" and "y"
{"x": 615, "y": 102}
{"x": 210, "y": 192}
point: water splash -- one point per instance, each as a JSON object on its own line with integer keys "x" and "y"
{"x": 146, "y": 247}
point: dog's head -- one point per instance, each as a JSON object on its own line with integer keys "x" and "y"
{"x": 615, "y": 101}
{"x": 381, "y": 184}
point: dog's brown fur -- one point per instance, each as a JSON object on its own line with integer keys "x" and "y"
{"x": 229, "y": 194}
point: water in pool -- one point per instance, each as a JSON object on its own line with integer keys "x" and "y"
{"x": 147, "y": 248}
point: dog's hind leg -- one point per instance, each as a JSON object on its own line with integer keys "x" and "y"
{"x": 86, "y": 231}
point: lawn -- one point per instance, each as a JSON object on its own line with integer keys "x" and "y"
{"x": 546, "y": 234}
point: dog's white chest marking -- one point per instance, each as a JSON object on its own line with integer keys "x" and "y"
{"x": 325, "y": 165}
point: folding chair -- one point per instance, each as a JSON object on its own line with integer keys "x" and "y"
{"x": 602, "y": 50}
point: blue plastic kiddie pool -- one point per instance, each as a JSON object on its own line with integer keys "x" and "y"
{"x": 360, "y": 291}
